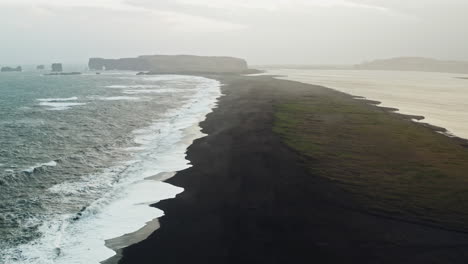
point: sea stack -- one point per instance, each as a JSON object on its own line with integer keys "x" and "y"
{"x": 40, "y": 67}
{"x": 57, "y": 67}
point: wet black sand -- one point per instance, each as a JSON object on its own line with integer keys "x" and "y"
{"x": 249, "y": 199}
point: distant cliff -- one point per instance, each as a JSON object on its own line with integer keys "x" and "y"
{"x": 415, "y": 64}
{"x": 10, "y": 69}
{"x": 172, "y": 64}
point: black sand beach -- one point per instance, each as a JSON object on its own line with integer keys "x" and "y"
{"x": 251, "y": 198}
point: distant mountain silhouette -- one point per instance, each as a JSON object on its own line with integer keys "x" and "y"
{"x": 415, "y": 64}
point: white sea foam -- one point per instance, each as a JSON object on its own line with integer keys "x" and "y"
{"x": 58, "y": 99}
{"x": 37, "y": 166}
{"x": 129, "y": 73}
{"x": 82, "y": 241}
{"x": 59, "y": 106}
{"x": 168, "y": 77}
{"x": 124, "y": 206}
{"x": 117, "y": 86}
{"x": 151, "y": 91}
{"x": 120, "y": 98}
{"x": 141, "y": 86}
{"x": 155, "y": 78}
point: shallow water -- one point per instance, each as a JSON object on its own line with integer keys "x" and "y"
{"x": 76, "y": 153}
{"x": 442, "y": 98}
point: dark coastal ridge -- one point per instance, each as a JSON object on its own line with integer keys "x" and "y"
{"x": 420, "y": 64}
{"x": 172, "y": 64}
{"x": 297, "y": 173}
{"x": 11, "y": 69}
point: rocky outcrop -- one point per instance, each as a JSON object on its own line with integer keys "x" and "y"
{"x": 10, "y": 69}
{"x": 40, "y": 67}
{"x": 415, "y": 64}
{"x": 57, "y": 67}
{"x": 172, "y": 64}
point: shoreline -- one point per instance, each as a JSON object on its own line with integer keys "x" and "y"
{"x": 240, "y": 204}
{"x": 118, "y": 244}
{"x": 393, "y": 110}
{"x": 418, "y": 119}
{"x": 389, "y": 109}
{"x": 438, "y": 97}
{"x": 191, "y": 134}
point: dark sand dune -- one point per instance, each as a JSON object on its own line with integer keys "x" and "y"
{"x": 250, "y": 199}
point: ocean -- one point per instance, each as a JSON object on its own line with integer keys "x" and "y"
{"x": 442, "y": 98}
{"x": 82, "y": 158}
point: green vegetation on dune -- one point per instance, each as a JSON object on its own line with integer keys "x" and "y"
{"x": 387, "y": 161}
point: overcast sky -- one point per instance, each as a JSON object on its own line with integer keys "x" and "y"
{"x": 261, "y": 31}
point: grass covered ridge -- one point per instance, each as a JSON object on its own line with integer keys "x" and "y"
{"x": 387, "y": 161}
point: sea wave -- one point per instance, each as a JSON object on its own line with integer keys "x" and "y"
{"x": 59, "y": 106}
{"x": 125, "y": 191}
{"x": 120, "y": 98}
{"x": 58, "y": 99}
{"x": 140, "y": 86}
{"x": 32, "y": 169}
{"x": 151, "y": 91}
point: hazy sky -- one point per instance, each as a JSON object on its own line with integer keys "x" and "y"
{"x": 261, "y": 31}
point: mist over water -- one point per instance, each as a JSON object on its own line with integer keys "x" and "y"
{"x": 442, "y": 98}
